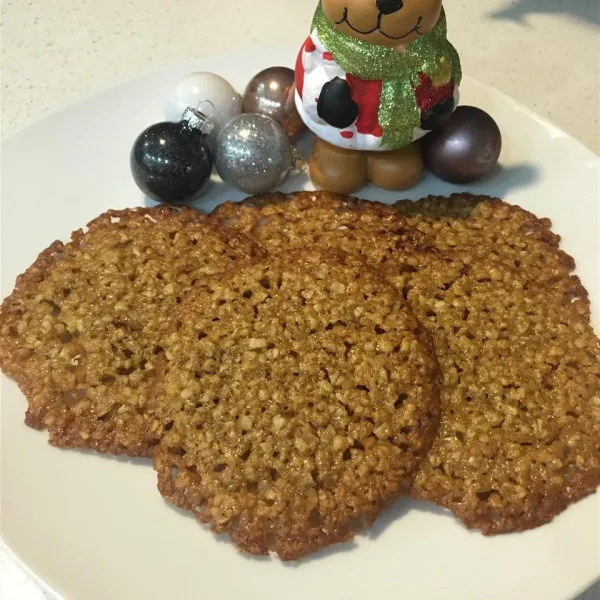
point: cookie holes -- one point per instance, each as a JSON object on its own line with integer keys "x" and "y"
{"x": 379, "y": 330}
{"x": 400, "y": 400}
{"x": 266, "y": 283}
{"x": 55, "y": 308}
{"x": 219, "y": 467}
{"x": 347, "y": 455}
{"x": 246, "y": 455}
{"x": 177, "y": 451}
{"x": 107, "y": 379}
{"x": 247, "y": 294}
{"x": 484, "y": 496}
{"x": 202, "y": 335}
{"x": 364, "y": 388}
{"x": 274, "y": 473}
{"x": 125, "y": 370}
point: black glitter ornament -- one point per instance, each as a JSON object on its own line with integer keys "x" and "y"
{"x": 170, "y": 162}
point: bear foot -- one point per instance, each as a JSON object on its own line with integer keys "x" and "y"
{"x": 337, "y": 170}
{"x": 396, "y": 169}
{"x": 343, "y": 171}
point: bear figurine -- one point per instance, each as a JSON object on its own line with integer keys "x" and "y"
{"x": 372, "y": 78}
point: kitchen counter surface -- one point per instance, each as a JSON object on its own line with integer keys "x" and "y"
{"x": 542, "y": 52}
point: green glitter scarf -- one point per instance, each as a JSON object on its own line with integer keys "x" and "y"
{"x": 398, "y": 110}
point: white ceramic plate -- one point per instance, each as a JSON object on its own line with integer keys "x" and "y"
{"x": 94, "y": 527}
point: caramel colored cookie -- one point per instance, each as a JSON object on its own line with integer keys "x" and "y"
{"x": 480, "y": 227}
{"x": 519, "y": 438}
{"x": 294, "y": 400}
{"x": 280, "y": 222}
{"x": 81, "y": 333}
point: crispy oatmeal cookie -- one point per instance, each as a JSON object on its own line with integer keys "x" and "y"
{"x": 480, "y": 227}
{"x": 519, "y": 438}
{"x": 81, "y": 332}
{"x": 294, "y": 400}
{"x": 491, "y": 284}
{"x": 280, "y": 222}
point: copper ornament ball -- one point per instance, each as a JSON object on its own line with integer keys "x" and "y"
{"x": 271, "y": 93}
{"x": 465, "y": 149}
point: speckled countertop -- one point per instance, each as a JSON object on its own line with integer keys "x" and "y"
{"x": 544, "y": 53}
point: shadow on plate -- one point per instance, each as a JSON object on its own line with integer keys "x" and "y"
{"x": 500, "y": 182}
{"x": 399, "y": 509}
{"x": 583, "y": 10}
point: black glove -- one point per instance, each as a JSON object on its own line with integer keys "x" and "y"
{"x": 437, "y": 115}
{"x": 335, "y": 105}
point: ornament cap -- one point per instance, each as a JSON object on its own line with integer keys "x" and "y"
{"x": 196, "y": 119}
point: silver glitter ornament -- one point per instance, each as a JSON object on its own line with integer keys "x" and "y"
{"x": 253, "y": 154}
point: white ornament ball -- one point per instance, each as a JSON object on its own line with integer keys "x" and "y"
{"x": 209, "y": 93}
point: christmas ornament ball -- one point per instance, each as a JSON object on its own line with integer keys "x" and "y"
{"x": 253, "y": 154}
{"x": 171, "y": 162}
{"x": 466, "y": 148}
{"x": 207, "y": 92}
{"x": 271, "y": 93}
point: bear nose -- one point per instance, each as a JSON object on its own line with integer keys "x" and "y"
{"x": 387, "y": 7}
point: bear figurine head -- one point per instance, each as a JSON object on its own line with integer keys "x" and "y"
{"x": 391, "y": 23}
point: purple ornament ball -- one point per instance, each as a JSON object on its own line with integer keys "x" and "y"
{"x": 465, "y": 149}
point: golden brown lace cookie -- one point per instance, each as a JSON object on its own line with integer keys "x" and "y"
{"x": 280, "y": 222}
{"x": 483, "y": 227}
{"x": 81, "y": 332}
{"x": 519, "y": 438}
{"x": 501, "y": 259}
{"x": 294, "y": 400}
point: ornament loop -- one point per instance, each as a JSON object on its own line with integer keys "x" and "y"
{"x": 211, "y": 106}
